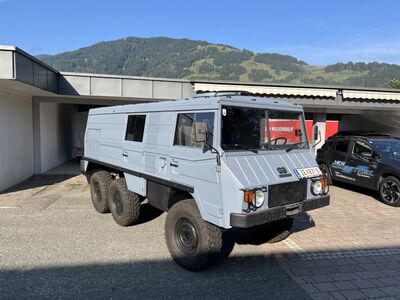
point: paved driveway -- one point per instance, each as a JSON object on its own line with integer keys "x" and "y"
{"x": 53, "y": 244}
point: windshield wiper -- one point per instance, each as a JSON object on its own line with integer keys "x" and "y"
{"x": 295, "y": 146}
{"x": 240, "y": 146}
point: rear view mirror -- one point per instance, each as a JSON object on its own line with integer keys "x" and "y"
{"x": 200, "y": 131}
{"x": 366, "y": 155}
{"x": 316, "y": 132}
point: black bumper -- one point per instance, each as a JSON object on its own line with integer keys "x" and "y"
{"x": 277, "y": 213}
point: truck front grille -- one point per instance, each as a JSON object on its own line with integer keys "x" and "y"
{"x": 287, "y": 193}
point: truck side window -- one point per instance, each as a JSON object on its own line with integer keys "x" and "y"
{"x": 360, "y": 147}
{"x": 342, "y": 146}
{"x": 135, "y": 128}
{"x": 185, "y": 134}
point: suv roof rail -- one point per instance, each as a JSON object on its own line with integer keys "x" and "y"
{"x": 360, "y": 134}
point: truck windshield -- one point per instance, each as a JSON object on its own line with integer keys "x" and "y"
{"x": 253, "y": 129}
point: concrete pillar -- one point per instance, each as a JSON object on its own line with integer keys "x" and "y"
{"x": 319, "y": 124}
{"x": 37, "y": 155}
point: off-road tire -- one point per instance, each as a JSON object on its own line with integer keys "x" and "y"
{"x": 384, "y": 197}
{"x": 271, "y": 233}
{"x": 99, "y": 183}
{"x": 327, "y": 172}
{"x": 205, "y": 244}
{"x": 124, "y": 204}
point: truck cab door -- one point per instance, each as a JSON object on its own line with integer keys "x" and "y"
{"x": 361, "y": 160}
{"x": 194, "y": 163}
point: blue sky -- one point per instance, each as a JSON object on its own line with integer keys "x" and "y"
{"x": 318, "y": 32}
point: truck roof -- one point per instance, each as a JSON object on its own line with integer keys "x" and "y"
{"x": 198, "y": 103}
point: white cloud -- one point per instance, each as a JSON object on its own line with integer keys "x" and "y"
{"x": 377, "y": 44}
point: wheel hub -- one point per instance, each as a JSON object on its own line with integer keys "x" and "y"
{"x": 117, "y": 203}
{"x": 97, "y": 192}
{"x": 186, "y": 235}
{"x": 391, "y": 191}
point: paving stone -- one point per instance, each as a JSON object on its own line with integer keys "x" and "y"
{"x": 391, "y": 290}
{"x": 322, "y": 296}
{"x": 325, "y": 287}
{"x": 309, "y": 288}
{"x": 353, "y": 294}
{"x": 372, "y": 293}
{"x": 344, "y": 285}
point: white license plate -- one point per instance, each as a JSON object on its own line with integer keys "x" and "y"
{"x": 308, "y": 172}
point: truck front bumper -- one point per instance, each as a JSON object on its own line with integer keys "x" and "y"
{"x": 277, "y": 213}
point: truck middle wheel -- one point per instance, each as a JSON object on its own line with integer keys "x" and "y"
{"x": 124, "y": 205}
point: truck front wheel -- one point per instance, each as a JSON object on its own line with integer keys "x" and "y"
{"x": 99, "y": 183}
{"x": 193, "y": 243}
{"x": 124, "y": 205}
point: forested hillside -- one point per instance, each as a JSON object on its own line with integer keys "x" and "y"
{"x": 183, "y": 58}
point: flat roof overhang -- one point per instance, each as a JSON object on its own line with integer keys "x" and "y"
{"x": 23, "y": 73}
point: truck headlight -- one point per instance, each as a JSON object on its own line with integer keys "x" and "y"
{"x": 258, "y": 199}
{"x": 317, "y": 187}
{"x": 255, "y": 198}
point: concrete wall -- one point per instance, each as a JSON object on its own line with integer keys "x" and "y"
{"x": 377, "y": 123}
{"x": 55, "y": 134}
{"x": 16, "y": 139}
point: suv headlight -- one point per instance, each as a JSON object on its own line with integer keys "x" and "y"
{"x": 317, "y": 187}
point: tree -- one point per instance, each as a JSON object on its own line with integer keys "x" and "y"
{"x": 394, "y": 84}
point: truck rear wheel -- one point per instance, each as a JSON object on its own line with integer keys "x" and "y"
{"x": 124, "y": 205}
{"x": 193, "y": 243}
{"x": 99, "y": 183}
{"x": 271, "y": 233}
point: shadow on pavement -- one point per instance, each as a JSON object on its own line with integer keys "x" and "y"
{"x": 358, "y": 189}
{"x": 260, "y": 276}
{"x": 239, "y": 276}
{"x": 37, "y": 181}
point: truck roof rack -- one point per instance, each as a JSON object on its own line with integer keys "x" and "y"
{"x": 222, "y": 93}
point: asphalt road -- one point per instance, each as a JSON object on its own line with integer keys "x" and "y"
{"x": 54, "y": 245}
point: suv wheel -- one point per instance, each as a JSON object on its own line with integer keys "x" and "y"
{"x": 99, "y": 183}
{"x": 389, "y": 191}
{"x": 124, "y": 205}
{"x": 193, "y": 243}
{"x": 327, "y": 173}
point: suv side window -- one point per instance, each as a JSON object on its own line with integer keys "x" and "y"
{"x": 185, "y": 133}
{"x": 360, "y": 147}
{"x": 135, "y": 128}
{"x": 342, "y": 146}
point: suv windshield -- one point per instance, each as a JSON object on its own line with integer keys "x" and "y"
{"x": 387, "y": 148}
{"x": 253, "y": 129}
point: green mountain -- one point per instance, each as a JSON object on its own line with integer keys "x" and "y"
{"x": 189, "y": 59}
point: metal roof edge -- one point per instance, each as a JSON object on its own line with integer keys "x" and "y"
{"x": 116, "y": 76}
{"x": 291, "y": 85}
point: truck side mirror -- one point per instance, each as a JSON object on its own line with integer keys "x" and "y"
{"x": 316, "y": 132}
{"x": 200, "y": 131}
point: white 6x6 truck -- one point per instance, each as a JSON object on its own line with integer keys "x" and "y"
{"x": 214, "y": 163}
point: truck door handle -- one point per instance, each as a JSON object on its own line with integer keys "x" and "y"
{"x": 174, "y": 164}
{"x": 125, "y": 154}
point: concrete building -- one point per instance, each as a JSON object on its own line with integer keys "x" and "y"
{"x": 40, "y": 107}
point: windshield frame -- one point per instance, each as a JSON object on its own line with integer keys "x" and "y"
{"x": 271, "y": 148}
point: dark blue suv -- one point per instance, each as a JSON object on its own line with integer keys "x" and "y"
{"x": 369, "y": 160}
